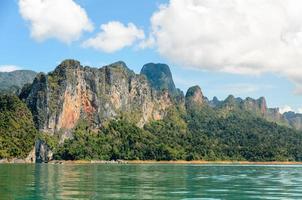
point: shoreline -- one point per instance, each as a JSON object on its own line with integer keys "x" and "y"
{"x": 181, "y": 162}
{"x": 199, "y": 162}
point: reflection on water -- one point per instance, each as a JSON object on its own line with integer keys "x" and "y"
{"x": 165, "y": 181}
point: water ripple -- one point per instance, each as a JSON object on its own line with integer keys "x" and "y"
{"x": 187, "y": 182}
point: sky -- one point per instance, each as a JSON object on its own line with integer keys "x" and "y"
{"x": 248, "y": 48}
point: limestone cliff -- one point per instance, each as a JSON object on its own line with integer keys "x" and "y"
{"x": 160, "y": 79}
{"x": 60, "y": 99}
{"x": 194, "y": 97}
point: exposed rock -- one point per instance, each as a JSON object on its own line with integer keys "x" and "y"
{"x": 31, "y": 158}
{"x": 159, "y": 76}
{"x": 72, "y": 92}
{"x": 256, "y": 105}
{"x": 194, "y": 97}
{"x": 43, "y": 152}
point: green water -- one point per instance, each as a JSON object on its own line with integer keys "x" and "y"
{"x": 165, "y": 181}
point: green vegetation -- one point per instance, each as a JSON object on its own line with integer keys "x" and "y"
{"x": 205, "y": 134}
{"x": 17, "y": 131}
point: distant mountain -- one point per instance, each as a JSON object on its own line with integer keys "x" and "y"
{"x": 293, "y": 119}
{"x": 113, "y": 113}
{"x": 255, "y": 106}
{"x": 12, "y": 82}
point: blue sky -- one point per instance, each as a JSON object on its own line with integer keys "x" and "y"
{"x": 45, "y": 51}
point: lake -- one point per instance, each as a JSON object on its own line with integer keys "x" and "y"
{"x": 149, "y": 181}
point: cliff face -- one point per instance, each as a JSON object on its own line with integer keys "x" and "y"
{"x": 72, "y": 92}
{"x": 160, "y": 79}
{"x": 194, "y": 97}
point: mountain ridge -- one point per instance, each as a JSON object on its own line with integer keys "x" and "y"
{"x": 81, "y": 112}
{"x": 160, "y": 80}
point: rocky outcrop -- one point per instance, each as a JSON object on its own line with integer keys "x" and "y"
{"x": 255, "y": 106}
{"x": 194, "y": 97}
{"x": 31, "y": 158}
{"x": 43, "y": 153}
{"x": 71, "y": 93}
{"x": 159, "y": 77}
{"x": 60, "y": 99}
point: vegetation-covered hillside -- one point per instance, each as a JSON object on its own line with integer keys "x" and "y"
{"x": 12, "y": 82}
{"x": 17, "y": 131}
{"x": 203, "y": 134}
{"x": 113, "y": 113}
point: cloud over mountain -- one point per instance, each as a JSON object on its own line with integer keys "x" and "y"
{"x": 8, "y": 68}
{"x": 234, "y": 36}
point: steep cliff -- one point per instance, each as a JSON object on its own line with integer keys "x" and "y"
{"x": 60, "y": 99}
{"x": 160, "y": 79}
{"x": 194, "y": 98}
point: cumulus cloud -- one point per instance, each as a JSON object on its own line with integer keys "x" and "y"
{"x": 235, "y": 36}
{"x": 8, "y": 68}
{"x": 285, "y": 109}
{"x": 114, "y": 36}
{"x": 64, "y": 20}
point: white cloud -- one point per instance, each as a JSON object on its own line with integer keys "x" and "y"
{"x": 64, "y": 20}
{"x": 285, "y": 109}
{"x": 235, "y": 36}
{"x": 115, "y": 36}
{"x": 8, "y": 68}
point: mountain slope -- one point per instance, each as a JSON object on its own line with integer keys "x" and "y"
{"x": 72, "y": 92}
{"x": 113, "y": 113}
{"x": 17, "y": 131}
{"x": 14, "y": 81}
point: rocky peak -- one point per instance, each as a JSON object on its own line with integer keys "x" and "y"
{"x": 159, "y": 77}
{"x": 214, "y": 102}
{"x": 68, "y": 64}
{"x": 262, "y": 104}
{"x": 118, "y": 64}
{"x": 118, "y": 67}
{"x": 60, "y": 99}
{"x": 194, "y": 96}
{"x": 232, "y": 100}
{"x": 257, "y": 105}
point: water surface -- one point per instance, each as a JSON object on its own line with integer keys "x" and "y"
{"x": 149, "y": 181}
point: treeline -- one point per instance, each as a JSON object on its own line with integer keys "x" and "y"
{"x": 205, "y": 134}
{"x": 202, "y": 133}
